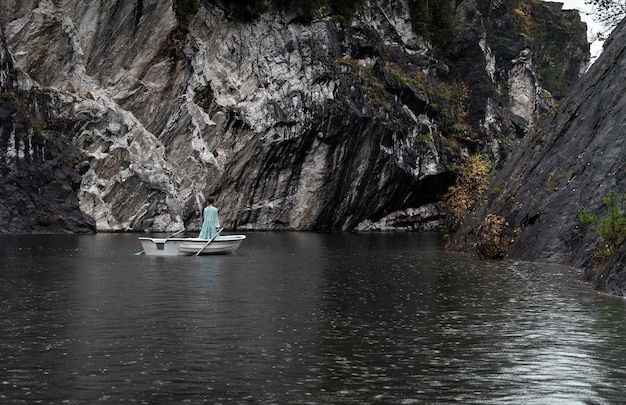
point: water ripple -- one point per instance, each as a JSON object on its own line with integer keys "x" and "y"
{"x": 299, "y": 318}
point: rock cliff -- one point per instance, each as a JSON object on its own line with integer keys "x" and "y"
{"x": 40, "y": 168}
{"x": 323, "y": 124}
{"x": 572, "y": 160}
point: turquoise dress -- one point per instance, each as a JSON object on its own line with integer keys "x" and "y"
{"x": 211, "y": 223}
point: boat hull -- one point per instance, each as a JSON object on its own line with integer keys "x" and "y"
{"x": 190, "y": 246}
{"x": 220, "y": 245}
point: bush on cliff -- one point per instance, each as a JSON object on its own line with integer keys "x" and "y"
{"x": 612, "y": 227}
{"x": 495, "y": 236}
{"x": 472, "y": 179}
{"x": 186, "y": 8}
{"x": 435, "y": 20}
{"x": 248, "y": 10}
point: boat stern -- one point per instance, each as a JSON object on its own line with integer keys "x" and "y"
{"x": 160, "y": 247}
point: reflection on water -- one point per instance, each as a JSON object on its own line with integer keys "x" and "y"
{"x": 299, "y": 318}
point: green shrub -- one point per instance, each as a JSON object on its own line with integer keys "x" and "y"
{"x": 435, "y": 20}
{"x": 248, "y": 10}
{"x": 185, "y": 9}
{"x": 307, "y": 9}
{"x": 612, "y": 227}
{"x": 449, "y": 100}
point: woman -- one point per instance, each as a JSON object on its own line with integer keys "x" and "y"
{"x": 211, "y": 222}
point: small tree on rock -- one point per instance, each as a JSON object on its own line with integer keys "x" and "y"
{"x": 612, "y": 227}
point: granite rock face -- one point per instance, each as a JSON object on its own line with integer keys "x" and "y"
{"x": 572, "y": 160}
{"x": 319, "y": 125}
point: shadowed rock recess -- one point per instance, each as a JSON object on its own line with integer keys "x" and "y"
{"x": 572, "y": 160}
{"x": 323, "y": 123}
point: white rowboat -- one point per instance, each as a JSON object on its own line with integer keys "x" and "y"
{"x": 190, "y": 246}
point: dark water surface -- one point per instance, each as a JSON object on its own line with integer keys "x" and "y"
{"x": 299, "y": 318}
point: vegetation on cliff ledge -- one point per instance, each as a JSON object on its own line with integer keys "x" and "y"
{"x": 252, "y": 9}
{"x": 186, "y": 8}
{"x": 611, "y": 228}
{"x": 541, "y": 24}
{"x": 494, "y": 234}
{"x": 435, "y": 20}
{"x": 472, "y": 181}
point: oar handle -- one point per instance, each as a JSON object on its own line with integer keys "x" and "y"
{"x": 210, "y": 240}
{"x": 171, "y": 236}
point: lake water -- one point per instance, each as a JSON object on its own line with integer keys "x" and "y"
{"x": 299, "y": 318}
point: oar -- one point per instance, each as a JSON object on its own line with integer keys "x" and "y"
{"x": 210, "y": 240}
{"x": 171, "y": 236}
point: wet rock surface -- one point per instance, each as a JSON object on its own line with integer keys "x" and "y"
{"x": 40, "y": 169}
{"x": 322, "y": 125}
{"x": 571, "y": 161}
